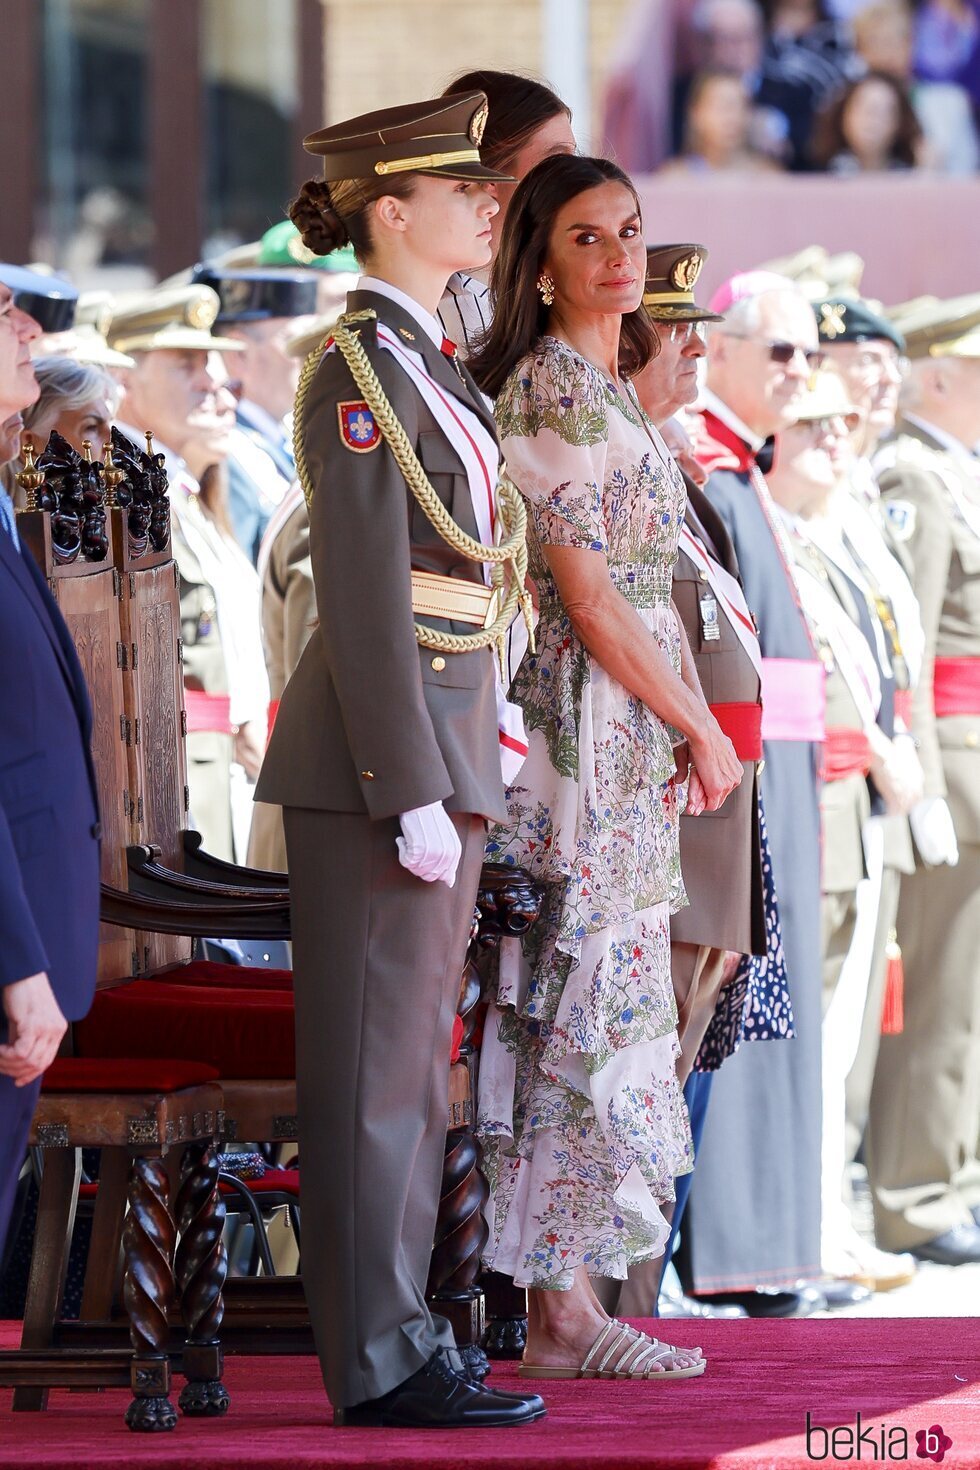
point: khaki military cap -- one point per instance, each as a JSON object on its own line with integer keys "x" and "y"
{"x": 178, "y": 317}
{"x": 441, "y": 136}
{"x": 930, "y": 326}
{"x": 826, "y": 398}
{"x": 668, "y": 291}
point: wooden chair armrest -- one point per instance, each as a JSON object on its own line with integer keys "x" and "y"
{"x": 200, "y": 864}
{"x": 152, "y": 878}
{"x": 202, "y": 918}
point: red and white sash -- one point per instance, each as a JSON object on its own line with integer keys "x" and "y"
{"x": 729, "y": 594}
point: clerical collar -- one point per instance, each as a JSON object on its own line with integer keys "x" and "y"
{"x": 429, "y": 323}
{"x": 714, "y": 404}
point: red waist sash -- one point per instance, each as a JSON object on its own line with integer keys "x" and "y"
{"x": 207, "y": 712}
{"x": 742, "y": 723}
{"x": 273, "y": 711}
{"x": 956, "y": 686}
{"x": 845, "y": 753}
{"x": 903, "y": 707}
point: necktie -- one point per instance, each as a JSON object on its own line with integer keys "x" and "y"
{"x": 7, "y": 519}
{"x": 766, "y": 454}
{"x": 448, "y": 349}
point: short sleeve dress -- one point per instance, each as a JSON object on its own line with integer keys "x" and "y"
{"x": 583, "y": 1124}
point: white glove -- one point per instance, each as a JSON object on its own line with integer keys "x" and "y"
{"x": 932, "y": 828}
{"x": 896, "y": 771}
{"x": 429, "y": 846}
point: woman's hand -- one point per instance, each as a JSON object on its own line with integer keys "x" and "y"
{"x": 716, "y": 766}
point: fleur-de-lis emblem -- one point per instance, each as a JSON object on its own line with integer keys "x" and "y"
{"x": 832, "y": 319}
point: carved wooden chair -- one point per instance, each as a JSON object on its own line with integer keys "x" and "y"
{"x": 158, "y": 892}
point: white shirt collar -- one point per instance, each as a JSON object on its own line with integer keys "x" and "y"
{"x": 721, "y": 411}
{"x": 955, "y": 446}
{"x": 429, "y": 323}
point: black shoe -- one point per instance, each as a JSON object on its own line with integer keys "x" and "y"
{"x": 765, "y": 1301}
{"x": 675, "y": 1304}
{"x": 957, "y": 1247}
{"x": 837, "y": 1291}
{"x": 437, "y": 1398}
{"x": 460, "y": 1362}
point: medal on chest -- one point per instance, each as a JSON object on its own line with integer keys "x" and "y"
{"x": 710, "y": 630}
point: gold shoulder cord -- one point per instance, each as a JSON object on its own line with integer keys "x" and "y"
{"x": 510, "y": 556}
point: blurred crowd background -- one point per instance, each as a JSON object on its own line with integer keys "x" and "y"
{"x": 734, "y": 111}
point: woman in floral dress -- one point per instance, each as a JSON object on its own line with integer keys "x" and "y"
{"x": 583, "y": 1122}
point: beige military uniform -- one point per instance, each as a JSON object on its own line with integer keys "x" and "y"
{"x": 926, "y": 1096}
{"x": 288, "y": 620}
{"x": 370, "y": 726}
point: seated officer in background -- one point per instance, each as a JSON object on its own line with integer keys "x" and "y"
{"x": 49, "y": 830}
{"x": 261, "y": 309}
{"x": 173, "y": 392}
{"x": 922, "y": 1155}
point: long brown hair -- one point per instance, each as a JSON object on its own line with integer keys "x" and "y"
{"x": 520, "y": 317}
{"x": 519, "y": 105}
{"x": 829, "y": 136}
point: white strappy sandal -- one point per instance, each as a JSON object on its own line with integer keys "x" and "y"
{"x": 634, "y": 1353}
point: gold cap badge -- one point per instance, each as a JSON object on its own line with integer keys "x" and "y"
{"x": 478, "y": 123}
{"x": 685, "y": 273}
{"x": 832, "y": 319}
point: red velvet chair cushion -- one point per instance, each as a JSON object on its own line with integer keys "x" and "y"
{"x": 228, "y": 977}
{"x": 123, "y": 1074}
{"x": 273, "y": 1181}
{"x": 243, "y": 1033}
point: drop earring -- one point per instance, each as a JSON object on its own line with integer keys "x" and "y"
{"x": 546, "y": 286}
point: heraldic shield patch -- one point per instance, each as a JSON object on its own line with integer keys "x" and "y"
{"x": 358, "y": 427}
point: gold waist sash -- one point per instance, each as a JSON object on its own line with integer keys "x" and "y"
{"x": 435, "y": 596}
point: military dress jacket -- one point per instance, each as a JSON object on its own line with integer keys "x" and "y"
{"x": 370, "y": 721}
{"x": 922, "y": 482}
{"x": 288, "y": 597}
{"x": 720, "y": 854}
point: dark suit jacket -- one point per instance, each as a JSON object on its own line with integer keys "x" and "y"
{"x": 370, "y": 721}
{"x": 49, "y": 833}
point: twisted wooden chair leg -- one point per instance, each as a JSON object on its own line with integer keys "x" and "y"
{"x": 202, "y": 1265}
{"x": 148, "y": 1293}
{"x": 461, "y": 1234}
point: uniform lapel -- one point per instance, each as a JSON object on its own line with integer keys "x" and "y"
{"x": 722, "y": 545}
{"x": 440, "y": 367}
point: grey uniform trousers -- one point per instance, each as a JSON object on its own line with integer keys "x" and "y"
{"x": 378, "y": 956}
{"x": 926, "y": 1096}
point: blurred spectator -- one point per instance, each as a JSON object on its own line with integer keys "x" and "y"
{"x": 718, "y": 126}
{"x": 947, "y": 44}
{"x": 884, "y": 38}
{"x": 871, "y": 127}
{"x": 807, "y": 58}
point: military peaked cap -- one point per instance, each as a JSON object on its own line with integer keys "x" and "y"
{"x": 258, "y": 295}
{"x": 441, "y": 136}
{"x": 668, "y": 291}
{"x": 178, "y": 317}
{"x": 935, "y": 328}
{"x": 48, "y": 299}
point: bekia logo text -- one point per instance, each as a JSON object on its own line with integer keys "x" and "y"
{"x": 873, "y": 1442}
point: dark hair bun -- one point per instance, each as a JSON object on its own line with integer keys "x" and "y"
{"x": 320, "y": 226}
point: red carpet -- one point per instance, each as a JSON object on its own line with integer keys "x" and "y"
{"x": 748, "y": 1412}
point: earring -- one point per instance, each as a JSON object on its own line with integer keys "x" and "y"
{"x": 546, "y": 286}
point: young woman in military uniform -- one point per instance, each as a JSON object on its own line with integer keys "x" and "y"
{"x": 386, "y": 753}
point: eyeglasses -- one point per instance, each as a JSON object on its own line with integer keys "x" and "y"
{"x": 784, "y": 352}
{"x": 683, "y": 332}
{"x": 879, "y": 362}
{"x": 833, "y": 426}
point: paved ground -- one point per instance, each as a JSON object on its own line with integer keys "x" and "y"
{"x": 937, "y": 1291}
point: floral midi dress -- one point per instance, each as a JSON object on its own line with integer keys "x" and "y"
{"x": 582, "y": 1121}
